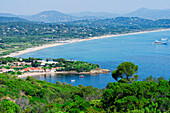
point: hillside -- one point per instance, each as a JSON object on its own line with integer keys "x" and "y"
{"x": 50, "y": 17}
{"x": 12, "y": 19}
{"x": 129, "y": 22}
{"x": 150, "y": 13}
{"x": 32, "y": 95}
{"x": 7, "y": 15}
{"x": 94, "y": 15}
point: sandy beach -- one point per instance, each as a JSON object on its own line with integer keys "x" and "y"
{"x": 74, "y": 41}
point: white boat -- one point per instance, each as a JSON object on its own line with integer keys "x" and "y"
{"x": 164, "y": 39}
{"x": 159, "y": 42}
{"x": 72, "y": 80}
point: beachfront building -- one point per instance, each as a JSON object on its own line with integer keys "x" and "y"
{"x": 4, "y": 70}
{"x": 53, "y": 70}
{"x": 32, "y": 70}
{"x": 18, "y": 67}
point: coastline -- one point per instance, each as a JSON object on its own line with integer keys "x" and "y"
{"x": 93, "y": 72}
{"x": 76, "y": 40}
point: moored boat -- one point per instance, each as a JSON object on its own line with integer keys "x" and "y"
{"x": 81, "y": 76}
{"x": 72, "y": 80}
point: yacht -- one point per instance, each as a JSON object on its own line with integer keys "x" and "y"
{"x": 164, "y": 39}
{"x": 159, "y": 42}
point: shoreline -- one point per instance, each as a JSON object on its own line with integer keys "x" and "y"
{"x": 95, "y": 72}
{"x": 77, "y": 40}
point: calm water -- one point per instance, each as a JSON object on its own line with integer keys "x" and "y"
{"x": 109, "y": 53}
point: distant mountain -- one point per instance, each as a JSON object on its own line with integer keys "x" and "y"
{"x": 50, "y": 17}
{"x": 122, "y": 22}
{"x": 12, "y": 19}
{"x": 7, "y": 15}
{"x": 150, "y": 13}
{"x": 57, "y": 17}
{"x": 95, "y": 15}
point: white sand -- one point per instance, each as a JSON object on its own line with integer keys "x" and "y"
{"x": 73, "y": 41}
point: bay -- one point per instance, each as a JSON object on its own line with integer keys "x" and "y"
{"x": 109, "y": 53}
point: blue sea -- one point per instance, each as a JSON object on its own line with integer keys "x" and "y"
{"x": 109, "y": 53}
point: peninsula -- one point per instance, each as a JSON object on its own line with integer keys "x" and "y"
{"x": 23, "y": 67}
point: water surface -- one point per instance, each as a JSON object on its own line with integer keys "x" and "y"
{"x": 109, "y": 53}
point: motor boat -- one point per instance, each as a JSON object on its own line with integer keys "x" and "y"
{"x": 164, "y": 39}
{"x": 81, "y": 76}
{"x": 159, "y": 42}
{"x": 73, "y": 80}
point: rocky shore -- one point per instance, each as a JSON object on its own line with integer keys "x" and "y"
{"x": 92, "y": 72}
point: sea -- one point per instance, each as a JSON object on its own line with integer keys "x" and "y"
{"x": 152, "y": 59}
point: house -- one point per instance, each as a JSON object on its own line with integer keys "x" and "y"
{"x": 16, "y": 63}
{"x": 20, "y": 59}
{"x": 59, "y": 68}
{"x": 21, "y": 63}
{"x": 47, "y": 70}
{"x": 4, "y": 70}
{"x": 25, "y": 70}
{"x": 26, "y": 63}
{"x": 11, "y": 70}
{"x": 53, "y": 70}
{"x": 32, "y": 69}
{"x": 49, "y": 62}
{"x": 16, "y": 66}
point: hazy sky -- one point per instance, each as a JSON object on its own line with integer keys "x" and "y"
{"x": 69, "y": 6}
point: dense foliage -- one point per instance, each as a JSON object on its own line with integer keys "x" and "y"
{"x": 78, "y": 66}
{"x": 32, "y": 95}
{"x": 125, "y": 72}
{"x": 140, "y": 96}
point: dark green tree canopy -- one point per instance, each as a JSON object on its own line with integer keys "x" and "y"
{"x": 124, "y": 71}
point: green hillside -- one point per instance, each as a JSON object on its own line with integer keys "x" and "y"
{"x": 35, "y": 96}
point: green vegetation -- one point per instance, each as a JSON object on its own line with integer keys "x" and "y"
{"x": 140, "y": 96}
{"x": 18, "y": 66}
{"x": 124, "y": 71}
{"x": 20, "y": 34}
{"x": 78, "y": 66}
{"x": 35, "y": 96}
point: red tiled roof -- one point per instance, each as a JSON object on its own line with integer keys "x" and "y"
{"x": 16, "y": 66}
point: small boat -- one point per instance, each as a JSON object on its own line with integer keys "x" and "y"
{"x": 81, "y": 76}
{"x": 164, "y": 39}
{"x": 159, "y": 42}
{"x": 72, "y": 80}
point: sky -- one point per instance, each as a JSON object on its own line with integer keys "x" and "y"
{"x": 29, "y": 7}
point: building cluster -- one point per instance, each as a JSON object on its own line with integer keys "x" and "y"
{"x": 23, "y": 67}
